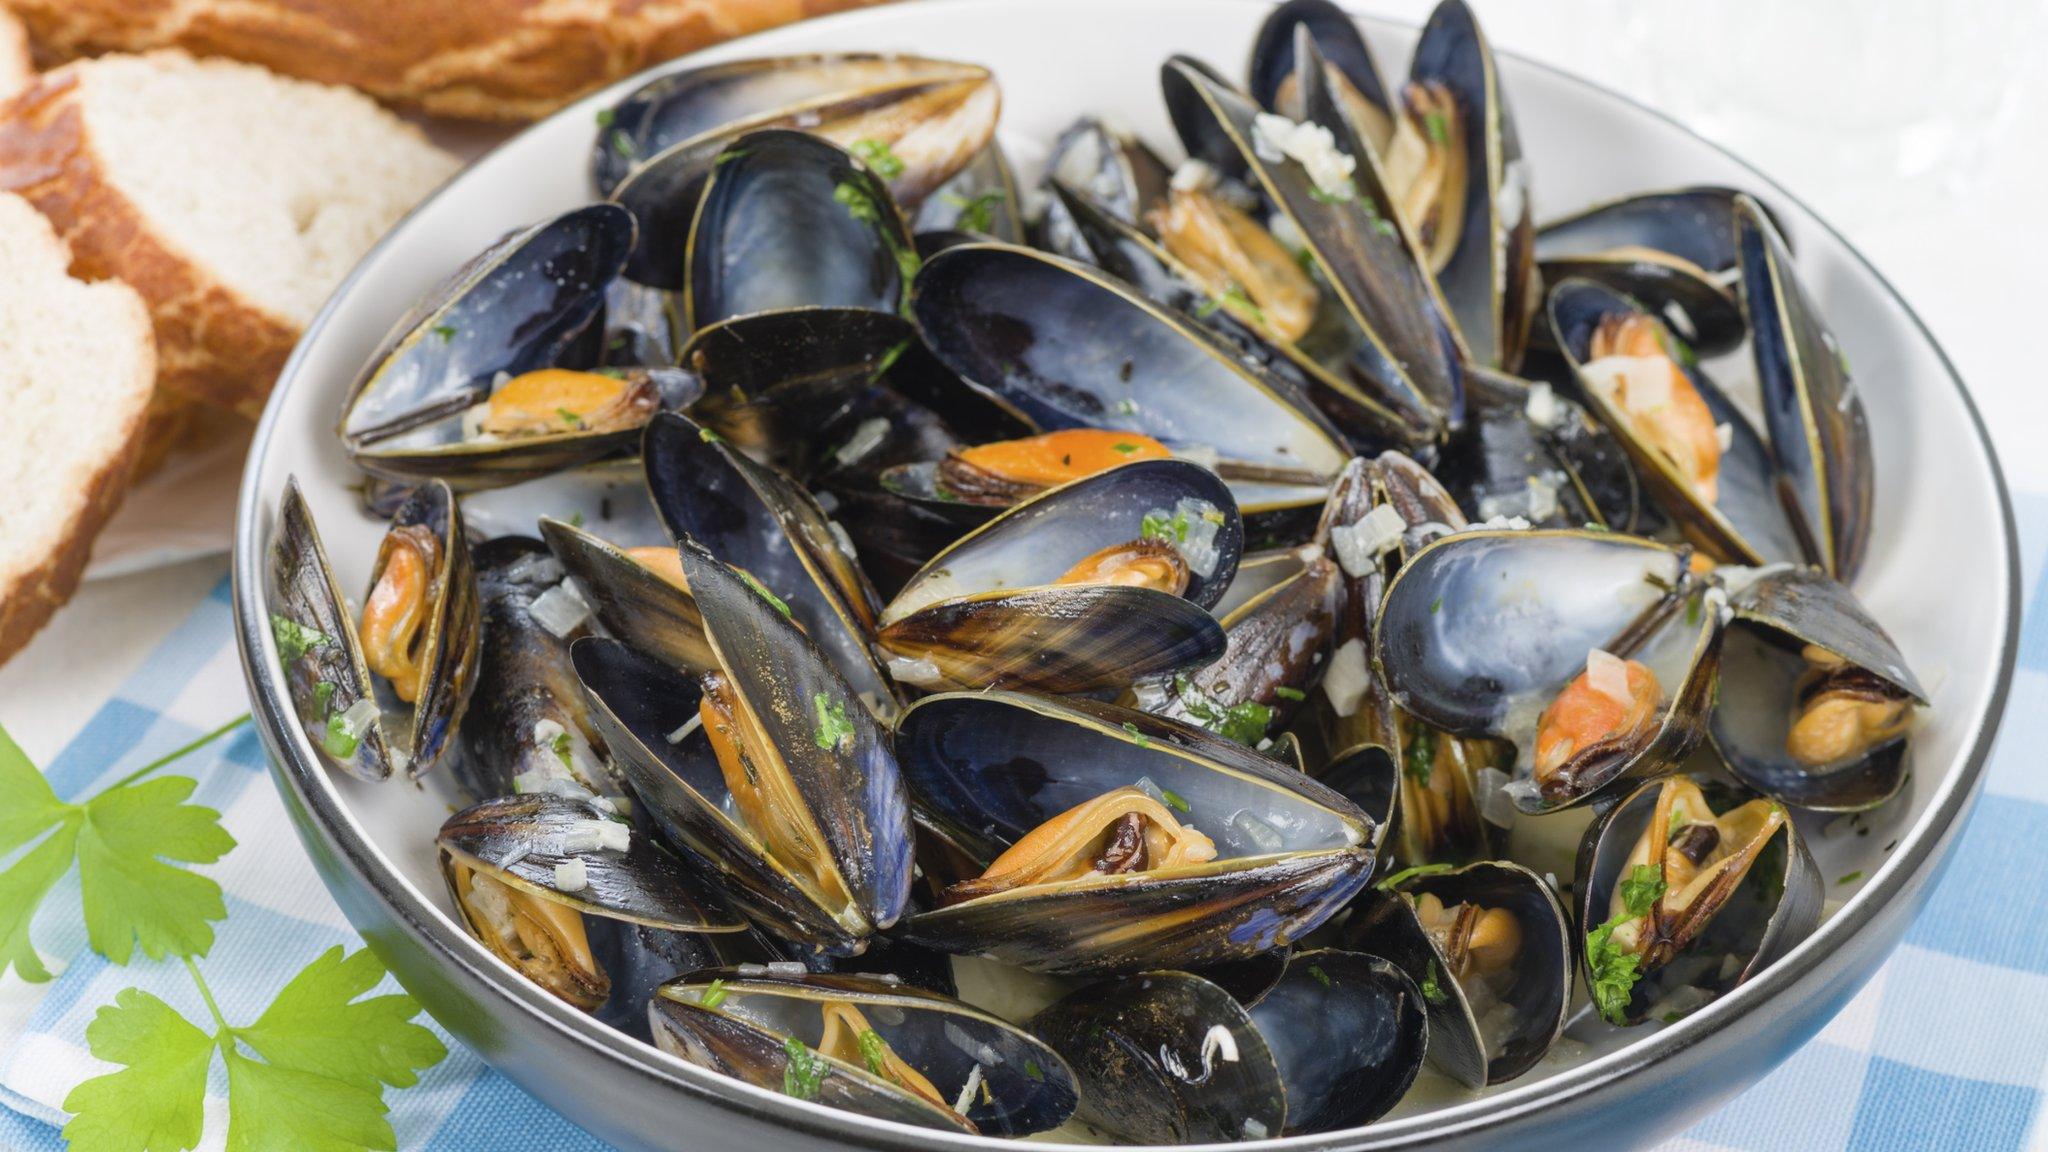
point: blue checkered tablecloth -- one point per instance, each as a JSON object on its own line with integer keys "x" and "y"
{"x": 1947, "y": 1048}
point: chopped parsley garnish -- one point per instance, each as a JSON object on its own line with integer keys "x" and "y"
{"x": 1032, "y": 1070}
{"x": 1438, "y": 126}
{"x": 1344, "y": 194}
{"x": 802, "y": 1071}
{"x": 623, "y": 144}
{"x": 1591, "y": 526}
{"x": 294, "y": 639}
{"x": 857, "y": 202}
{"x": 1380, "y": 224}
{"x": 762, "y": 591}
{"x": 1322, "y": 977}
{"x": 1245, "y": 723}
{"x": 709, "y": 437}
{"x": 1286, "y": 693}
{"x": 713, "y": 995}
{"x": 1242, "y": 300}
{"x": 1174, "y": 800}
{"x": 1677, "y": 824}
{"x": 887, "y": 360}
{"x": 977, "y": 212}
{"x": 874, "y": 1052}
{"x": 575, "y": 519}
{"x": 1407, "y": 874}
{"x": 1692, "y": 612}
{"x": 1143, "y": 740}
{"x": 564, "y": 750}
{"x": 443, "y": 332}
{"x": 1125, "y": 449}
{"x": 876, "y": 155}
{"x": 323, "y": 698}
{"x": 339, "y": 742}
{"x": 1432, "y": 988}
{"x": 1615, "y": 972}
{"x": 1164, "y": 529}
{"x": 1420, "y": 761}
{"x": 1436, "y": 606}
{"x": 570, "y": 417}
{"x": 605, "y": 116}
{"x": 1850, "y": 877}
{"x": 833, "y": 726}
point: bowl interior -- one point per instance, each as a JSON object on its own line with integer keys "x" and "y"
{"x": 1939, "y": 574}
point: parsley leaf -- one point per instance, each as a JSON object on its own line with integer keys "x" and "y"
{"x": 1132, "y": 730}
{"x": 1407, "y": 874}
{"x": 761, "y": 590}
{"x": 1432, "y": 987}
{"x": 294, "y": 639}
{"x": 1174, "y": 800}
{"x": 713, "y": 995}
{"x": 1421, "y": 758}
{"x": 877, "y": 155}
{"x": 977, "y": 213}
{"x": 873, "y": 1051}
{"x": 1286, "y": 693}
{"x": 1613, "y": 971}
{"x": 309, "y": 1073}
{"x": 1641, "y": 890}
{"x": 833, "y": 726}
{"x": 802, "y": 1071}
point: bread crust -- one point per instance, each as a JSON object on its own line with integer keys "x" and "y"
{"x": 213, "y": 343}
{"x": 478, "y": 59}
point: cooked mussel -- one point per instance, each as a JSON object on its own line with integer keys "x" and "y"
{"x": 1528, "y": 452}
{"x": 1675, "y": 251}
{"x": 869, "y": 1045}
{"x": 1273, "y": 76}
{"x": 525, "y": 870}
{"x": 1489, "y": 948}
{"x": 330, "y": 683}
{"x": 474, "y": 384}
{"x": 1594, "y": 653}
{"x": 1816, "y": 704}
{"x": 419, "y": 628}
{"x": 1172, "y": 1058}
{"x": 766, "y": 770}
{"x": 1114, "y": 840}
{"x": 1685, "y": 891}
{"x": 1091, "y": 585}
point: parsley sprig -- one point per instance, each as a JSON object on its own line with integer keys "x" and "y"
{"x": 310, "y": 1072}
{"x": 1613, "y": 971}
{"x": 120, "y": 838}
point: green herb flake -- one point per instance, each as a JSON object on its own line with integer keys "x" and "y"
{"x": 709, "y": 437}
{"x": 1286, "y": 693}
{"x": 338, "y": 742}
{"x": 1344, "y": 193}
{"x": 1432, "y": 987}
{"x": 1677, "y": 825}
{"x": 323, "y": 698}
{"x": 877, "y": 155}
{"x": 1407, "y": 874}
{"x": 1125, "y": 449}
{"x": 1614, "y": 971}
{"x": 1420, "y": 761}
{"x": 605, "y": 116}
{"x": 1032, "y": 1070}
{"x": 1641, "y": 891}
{"x": 570, "y": 417}
{"x": 575, "y": 519}
{"x": 1246, "y": 723}
{"x": 1436, "y": 606}
{"x": 1592, "y": 526}
{"x": 1207, "y": 308}
{"x": 713, "y": 994}
{"x": 294, "y": 639}
{"x": 887, "y": 360}
{"x": 1143, "y": 740}
{"x": 565, "y": 750}
{"x": 833, "y": 726}
{"x": 1850, "y": 877}
{"x": 443, "y": 332}
{"x": 1174, "y": 800}
{"x": 857, "y": 202}
{"x": 802, "y": 1071}
{"x": 1243, "y": 302}
{"x": 762, "y": 591}
{"x": 1322, "y": 977}
{"x": 874, "y": 1052}
{"x": 976, "y": 213}
{"x": 623, "y": 144}
{"x": 1692, "y": 612}
{"x": 1437, "y": 126}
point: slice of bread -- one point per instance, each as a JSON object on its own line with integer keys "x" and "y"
{"x": 75, "y": 383}
{"x": 16, "y": 68}
{"x": 233, "y": 199}
{"x": 483, "y": 59}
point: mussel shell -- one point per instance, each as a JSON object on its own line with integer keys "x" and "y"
{"x": 1148, "y": 1061}
{"x": 303, "y": 592}
{"x": 639, "y": 960}
{"x": 1776, "y": 616}
{"x": 513, "y": 309}
{"x": 1777, "y": 905}
{"x": 790, "y": 221}
{"x": 1747, "y": 524}
{"x": 1819, "y": 434}
{"x": 448, "y": 650}
{"x": 1275, "y": 648}
{"x": 1348, "y": 1032}
{"x": 1482, "y": 630}
{"x": 1117, "y": 173}
{"x": 631, "y": 601}
{"x": 1488, "y": 278}
{"x": 980, "y": 200}
{"x": 758, "y": 521}
{"x": 1490, "y": 463}
{"x": 1336, "y": 38}
{"x": 1385, "y": 924}
{"x": 1403, "y": 349}
{"x": 1067, "y": 347}
{"x": 1029, "y": 1087}
{"x": 608, "y": 499}
{"x": 986, "y": 768}
{"x": 518, "y": 840}
{"x": 1698, "y": 310}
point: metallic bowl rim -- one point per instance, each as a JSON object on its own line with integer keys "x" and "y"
{"x": 327, "y": 826}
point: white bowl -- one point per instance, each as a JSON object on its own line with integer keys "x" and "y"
{"x": 1943, "y": 576}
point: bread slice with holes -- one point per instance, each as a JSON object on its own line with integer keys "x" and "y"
{"x": 233, "y": 199}
{"x": 77, "y": 364}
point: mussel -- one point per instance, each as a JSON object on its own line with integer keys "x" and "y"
{"x": 868, "y": 1045}
{"x": 1685, "y": 891}
{"x": 1169, "y": 1057}
{"x": 420, "y": 622}
{"x": 1116, "y": 841}
{"x": 1675, "y": 251}
{"x": 525, "y": 870}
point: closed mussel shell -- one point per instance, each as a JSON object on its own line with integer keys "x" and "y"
{"x": 1348, "y": 1032}
{"x": 1758, "y": 892}
{"x": 1767, "y": 679}
{"x": 988, "y": 768}
{"x": 317, "y": 645}
{"x": 1483, "y": 631}
{"x": 867, "y": 1045}
{"x": 1497, "y": 989}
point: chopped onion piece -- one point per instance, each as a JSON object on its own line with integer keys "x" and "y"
{"x": 1724, "y": 435}
{"x": 357, "y": 718}
{"x": 867, "y": 436}
{"x": 1608, "y": 675}
{"x": 571, "y": 876}
{"x": 965, "y": 1100}
{"x": 1346, "y": 679}
{"x": 786, "y": 968}
{"x": 921, "y": 672}
{"x": 1542, "y": 409}
{"x": 1494, "y": 791}
{"x": 1257, "y": 832}
{"x": 1195, "y": 175}
{"x": 681, "y": 734}
{"x": 1314, "y": 147}
{"x": 1359, "y": 546}
{"x": 560, "y": 609}
{"x": 1218, "y": 1041}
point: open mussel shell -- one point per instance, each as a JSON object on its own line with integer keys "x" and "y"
{"x": 790, "y": 1033}
{"x": 657, "y": 147}
{"x": 1734, "y": 930}
{"x": 1565, "y": 471}
{"x": 631, "y": 600}
{"x": 990, "y": 609}
{"x": 1395, "y": 346}
{"x": 1746, "y": 523}
{"x": 1763, "y": 671}
{"x": 1672, "y": 250}
{"x": 1171, "y": 1057}
{"x": 1819, "y": 434}
{"x": 431, "y": 621}
{"x": 1272, "y": 77}
{"x": 987, "y": 768}
{"x": 317, "y": 644}
{"x": 1117, "y": 174}
{"x": 791, "y": 221}
{"x": 1483, "y": 630}
{"x": 514, "y": 309}
{"x": 763, "y": 524}
{"x": 1490, "y": 279}
{"x": 1493, "y": 1011}
{"x": 1068, "y": 347}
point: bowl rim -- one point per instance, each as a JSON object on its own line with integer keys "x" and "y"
{"x": 1922, "y": 847}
